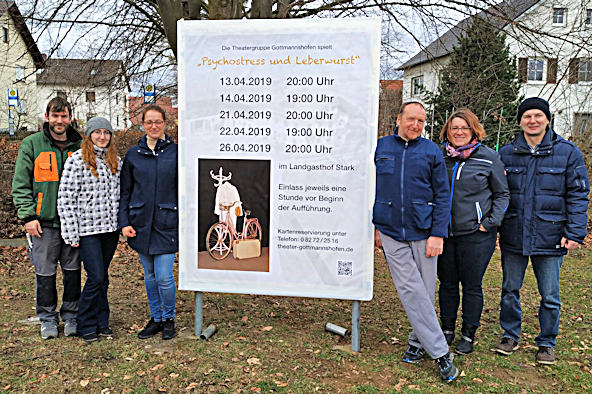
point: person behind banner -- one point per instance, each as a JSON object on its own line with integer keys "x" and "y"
{"x": 88, "y": 202}
{"x": 479, "y": 198}
{"x": 546, "y": 218}
{"x": 410, "y": 213}
{"x": 148, "y": 216}
{"x": 37, "y": 174}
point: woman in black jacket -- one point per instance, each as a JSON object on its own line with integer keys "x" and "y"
{"x": 479, "y": 197}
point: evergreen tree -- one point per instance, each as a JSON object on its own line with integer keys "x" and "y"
{"x": 481, "y": 76}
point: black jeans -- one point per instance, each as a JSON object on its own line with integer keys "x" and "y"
{"x": 464, "y": 260}
{"x": 93, "y": 309}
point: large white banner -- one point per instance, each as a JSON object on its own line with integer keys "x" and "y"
{"x": 278, "y": 121}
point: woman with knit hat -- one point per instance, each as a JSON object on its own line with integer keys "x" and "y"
{"x": 88, "y": 201}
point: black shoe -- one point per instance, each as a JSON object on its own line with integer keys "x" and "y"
{"x": 105, "y": 332}
{"x": 448, "y": 326}
{"x": 151, "y": 329}
{"x": 447, "y": 369}
{"x": 465, "y": 346}
{"x": 90, "y": 337}
{"x": 168, "y": 330}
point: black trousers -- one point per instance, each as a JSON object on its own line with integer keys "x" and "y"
{"x": 464, "y": 261}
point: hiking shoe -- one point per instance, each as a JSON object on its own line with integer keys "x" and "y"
{"x": 413, "y": 355}
{"x": 507, "y": 346}
{"x": 545, "y": 355}
{"x": 90, "y": 337}
{"x": 105, "y": 332}
{"x": 70, "y": 328}
{"x": 49, "y": 329}
{"x": 168, "y": 329}
{"x": 151, "y": 329}
{"x": 447, "y": 369}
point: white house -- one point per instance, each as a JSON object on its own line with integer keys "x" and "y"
{"x": 19, "y": 60}
{"x": 93, "y": 88}
{"x": 551, "y": 40}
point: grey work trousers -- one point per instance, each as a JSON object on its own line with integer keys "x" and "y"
{"x": 46, "y": 252}
{"x": 414, "y": 275}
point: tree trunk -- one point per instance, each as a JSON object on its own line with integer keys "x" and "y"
{"x": 171, "y": 11}
{"x": 225, "y": 9}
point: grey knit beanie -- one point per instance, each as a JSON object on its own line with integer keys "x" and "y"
{"x": 98, "y": 123}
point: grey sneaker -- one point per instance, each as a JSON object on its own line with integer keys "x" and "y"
{"x": 49, "y": 329}
{"x": 70, "y": 328}
{"x": 507, "y": 346}
{"x": 448, "y": 371}
{"x": 413, "y": 355}
{"x": 545, "y": 355}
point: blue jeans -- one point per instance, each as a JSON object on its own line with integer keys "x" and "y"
{"x": 160, "y": 284}
{"x": 96, "y": 252}
{"x": 546, "y": 270}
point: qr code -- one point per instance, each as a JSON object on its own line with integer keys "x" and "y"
{"x": 345, "y": 268}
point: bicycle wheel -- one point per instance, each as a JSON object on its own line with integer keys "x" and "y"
{"x": 253, "y": 230}
{"x": 219, "y": 241}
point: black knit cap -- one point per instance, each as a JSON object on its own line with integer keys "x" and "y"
{"x": 534, "y": 103}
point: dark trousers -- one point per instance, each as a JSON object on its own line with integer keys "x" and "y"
{"x": 464, "y": 260}
{"x": 47, "y": 251}
{"x": 93, "y": 309}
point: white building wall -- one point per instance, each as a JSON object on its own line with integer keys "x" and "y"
{"x": 109, "y": 103}
{"x": 13, "y": 54}
{"x": 563, "y": 42}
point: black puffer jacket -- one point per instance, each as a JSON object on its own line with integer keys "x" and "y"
{"x": 479, "y": 191}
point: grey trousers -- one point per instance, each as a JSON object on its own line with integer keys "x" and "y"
{"x": 414, "y": 275}
{"x": 47, "y": 250}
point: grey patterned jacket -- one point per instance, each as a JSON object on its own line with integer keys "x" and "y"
{"x": 87, "y": 204}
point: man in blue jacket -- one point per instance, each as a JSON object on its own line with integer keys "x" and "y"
{"x": 411, "y": 214}
{"x": 547, "y": 216}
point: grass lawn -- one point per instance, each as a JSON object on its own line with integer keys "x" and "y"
{"x": 278, "y": 344}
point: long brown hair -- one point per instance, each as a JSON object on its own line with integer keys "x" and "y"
{"x": 88, "y": 156}
{"x": 470, "y": 118}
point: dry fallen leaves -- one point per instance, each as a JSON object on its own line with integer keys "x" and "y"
{"x": 267, "y": 328}
{"x": 157, "y": 367}
{"x": 84, "y": 382}
{"x": 191, "y": 386}
{"x": 253, "y": 361}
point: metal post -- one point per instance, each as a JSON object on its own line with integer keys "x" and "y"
{"x": 198, "y": 323}
{"x": 355, "y": 327}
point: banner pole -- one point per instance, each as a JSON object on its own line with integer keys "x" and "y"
{"x": 355, "y": 327}
{"x": 198, "y": 323}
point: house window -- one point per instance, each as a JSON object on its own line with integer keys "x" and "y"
{"x": 19, "y": 73}
{"x": 559, "y": 16}
{"x": 582, "y": 123}
{"x": 584, "y": 70}
{"x": 90, "y": 97}
{"x": 535, "y": 69}
{"x": 416, "y": 85}
{"x": 22, "y": 107}
{"x": 589, "y": 17}
{"x": 5, "y": 35}
{"x": 61, "y": 94}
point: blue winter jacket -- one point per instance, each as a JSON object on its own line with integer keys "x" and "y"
{"x": 548, "y": 196}
{"x": 149, "y": 197}
{"x": 412, "y": 192}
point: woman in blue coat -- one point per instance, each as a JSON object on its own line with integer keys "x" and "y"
{"x": 148, "y": 216}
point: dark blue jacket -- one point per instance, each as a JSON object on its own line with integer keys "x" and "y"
{"x": 412, "y": 193}
{"x": 548, "y": 196}
{"x": 149, "y": 197}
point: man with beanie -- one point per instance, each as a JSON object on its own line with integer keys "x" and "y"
{"x": 546, "y": 218}
{"x": 37, "y": 175}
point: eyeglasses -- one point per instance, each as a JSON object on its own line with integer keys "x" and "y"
{"x": 156, "y": 122}
{"x": 102, "y": 133}
{"x": 460, "y": 128}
